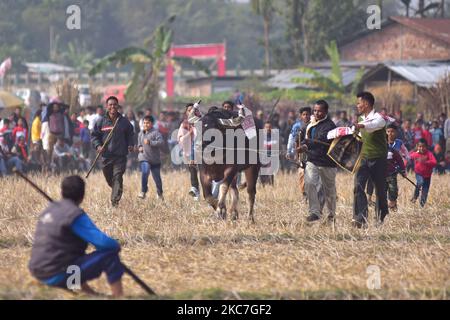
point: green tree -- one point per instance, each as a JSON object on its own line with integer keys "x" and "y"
{"x": 43, "y": 23}
{"x": 296, "y": 15}
{"x": 26, "y": 27}
{"x": 78, "y": 56}
{"x": 327, "y": 21}
{"x": 15, "y": 41}
{"x": 332, "y": 86}
{"x": 310, "y": 24}
{"x": 265, "y": 9}
{"x": 146, "y": 62}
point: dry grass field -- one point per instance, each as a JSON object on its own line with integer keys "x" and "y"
{"x": 183, "y": 252}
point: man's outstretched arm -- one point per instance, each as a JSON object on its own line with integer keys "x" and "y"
{"x": 88, "y": 231}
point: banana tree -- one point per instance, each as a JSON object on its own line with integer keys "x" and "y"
{"x": 146, "y": 63}
{"x": 78, "y": 56}
{"x": 331, "y": 86}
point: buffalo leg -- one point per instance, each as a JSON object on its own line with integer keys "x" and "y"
{"x": 234, "y": 194}
{"x": 221, "y": 207}
{"x": 229, "y": 180}
{"x": 251, "y": 176}
{"x": 206, "y": 183}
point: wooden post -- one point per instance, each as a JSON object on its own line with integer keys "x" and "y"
{"x": 401, "y": 42}
{"x": 389, "y": 79}
{"x": 415, "y": 95}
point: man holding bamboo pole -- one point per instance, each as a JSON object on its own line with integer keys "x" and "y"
{"x": 63, "y": 232}
{"x": 320, "y": 169}
{"x": 112, "y": 137}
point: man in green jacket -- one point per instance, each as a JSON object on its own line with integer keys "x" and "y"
{"x": 373, "y": 162}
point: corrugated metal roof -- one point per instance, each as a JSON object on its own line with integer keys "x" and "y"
{"x": 47, "y": 67}
{"x": 285, "y": 79}
{"x": 343, "y": 64}
{"x": 424, "y": 75}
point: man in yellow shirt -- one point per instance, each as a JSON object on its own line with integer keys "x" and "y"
{"x": 36, "y": 128}
{"x": 37, "y": 151}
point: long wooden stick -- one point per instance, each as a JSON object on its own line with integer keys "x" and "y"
{"x": 319, "y": 142}
{"x": 127, "y": 270}
{"x": 274, "y": 107}
{"x": 412, "y": 182}
{"x": 24, "y": 177}
{"x": 108, "y": 138}
{"x": 138, "y": 280}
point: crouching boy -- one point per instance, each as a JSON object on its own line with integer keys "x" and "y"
{"x": 62, "y": 235}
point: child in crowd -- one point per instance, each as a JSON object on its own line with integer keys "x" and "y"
{"x": 396, "y": 163}
{"x": 85, "y": 137}
{"x": 424, "y": 162}
{"x": 150, "y": 142}
{"x": 396, "y": 148}
{"x": 440, "y": 159}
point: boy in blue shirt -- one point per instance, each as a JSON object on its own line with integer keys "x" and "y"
{"x": 62, "y": 235}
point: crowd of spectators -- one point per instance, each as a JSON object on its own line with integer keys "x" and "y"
{"x": 57, "y": 140}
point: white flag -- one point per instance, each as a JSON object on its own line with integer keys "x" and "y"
{"x": 340, "y": 132}
{"x": 249, "y": 124}
{"x": 5, "y": 66}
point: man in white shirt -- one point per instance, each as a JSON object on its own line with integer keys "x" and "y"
{"x": 93, "y": 118}
{"x": 82, "y": 115}
{"x": 373, "y": 163}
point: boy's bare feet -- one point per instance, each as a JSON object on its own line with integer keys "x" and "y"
{"x": 85, "y": 288}
{"x": 117, "y": 289}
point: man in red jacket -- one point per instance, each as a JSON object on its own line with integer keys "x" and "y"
{"x": 424, "y": 162}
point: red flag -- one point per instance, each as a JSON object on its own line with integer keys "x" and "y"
{"x": 5, "y": 66}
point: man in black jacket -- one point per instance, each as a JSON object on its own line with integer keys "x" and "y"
{"x": 114, "y": 155}
{"x": 319, "y": 167}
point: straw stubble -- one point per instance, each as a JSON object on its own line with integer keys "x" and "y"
{"x": 182, "y": 251}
